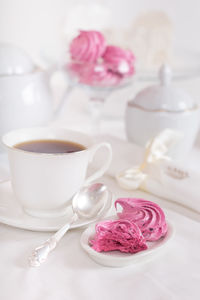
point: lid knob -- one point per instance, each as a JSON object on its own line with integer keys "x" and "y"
{"x": 165, "y": 75}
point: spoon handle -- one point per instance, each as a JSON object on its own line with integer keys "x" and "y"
{"x": 40, "y": 254}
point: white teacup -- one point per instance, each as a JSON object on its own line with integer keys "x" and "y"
{"x": 44, "y": 183}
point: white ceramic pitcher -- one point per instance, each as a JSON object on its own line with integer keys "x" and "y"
{"x": 25, "y": 96}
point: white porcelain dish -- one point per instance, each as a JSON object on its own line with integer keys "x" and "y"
{"x": 119, "y": 259}
{"x": 12, "y": 214}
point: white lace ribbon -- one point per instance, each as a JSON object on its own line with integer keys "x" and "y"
{"x": 156, "y": 149}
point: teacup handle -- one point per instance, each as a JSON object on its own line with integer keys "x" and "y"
{"x": 106, "y": 164}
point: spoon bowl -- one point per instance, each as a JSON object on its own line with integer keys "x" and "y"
{"x": 90, "y": 200}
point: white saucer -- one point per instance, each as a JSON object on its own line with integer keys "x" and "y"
{"x": 119, "y": 259}
{"x": 12, "y": 214}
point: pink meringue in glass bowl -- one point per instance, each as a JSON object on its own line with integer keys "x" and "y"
{"x": 99, "y": 69}
{"x": 97, "y": 75}
{"x": 95, "y": 63}
{"x": 88, "y": 46}
{"x": 119, "y": 60}
{"x": 93, "y": 74}
{"x": 99, "y": 83}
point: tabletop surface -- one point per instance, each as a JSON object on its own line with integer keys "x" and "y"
{"x": 70, "y": 274}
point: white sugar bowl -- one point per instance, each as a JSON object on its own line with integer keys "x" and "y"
{"x": 160, "y": 107}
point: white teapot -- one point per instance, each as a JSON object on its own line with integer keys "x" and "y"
{"x": 159, "y": 107}
{"x": 25, "y": 96}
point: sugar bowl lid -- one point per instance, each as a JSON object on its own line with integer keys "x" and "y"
{"x": 163, "y": 97}
{"x": 14, "y": 61}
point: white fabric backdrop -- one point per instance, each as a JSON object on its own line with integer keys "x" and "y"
{"x": 39, "y": 25}
{"x": 70, "y": 274}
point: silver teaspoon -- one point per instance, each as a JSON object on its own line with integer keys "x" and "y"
{"x": 91, "y": 201}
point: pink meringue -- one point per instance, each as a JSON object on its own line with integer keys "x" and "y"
{"x": 119, "y": 60}
{"x": 119, "y": 235}
{"x": 88, "y": 46}
{"x": 98, "y": 74}
{"x": 75, "y": 68}
{"x": 148, "y": 216}
{"x": 97, "y": 65}
{"x": 94, "y": 74}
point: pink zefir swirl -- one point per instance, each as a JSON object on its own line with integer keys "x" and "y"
{"x": 119, "y": 60}
{"x": 148, "y": 216}
{"x": 75, "y": 68}
{"x": 119, "y": 235}
{"x": 88, "y": 46}
{"x": 95, "y": 74}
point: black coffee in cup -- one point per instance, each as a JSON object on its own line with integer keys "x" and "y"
{"x": 50, "y": 146}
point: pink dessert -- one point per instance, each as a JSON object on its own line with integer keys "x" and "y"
{"x": 75, "y": 68}
{"x": 119, "y": 60}
{"x": 147, "y": 215}
{"x": 98, "y": 74}
{"x": 121, "y": 235}
{"x": 88, "y": 46}
{"x": 94, "y": 74}
{"x": 95, "y": 64}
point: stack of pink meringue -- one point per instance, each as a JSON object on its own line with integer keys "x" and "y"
{"x": 140, "y": 221}
{"x": 96, "y": 63}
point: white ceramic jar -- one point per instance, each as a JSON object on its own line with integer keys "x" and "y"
{"x": 159, "y": 107}
{"x": 25, "y": 96}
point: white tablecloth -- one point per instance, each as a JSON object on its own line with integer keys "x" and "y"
{"x": 69, "y": 274}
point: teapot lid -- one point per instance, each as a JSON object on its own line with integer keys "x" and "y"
{"x": 163, "y": 97}
{"x": 14, "y": 61}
